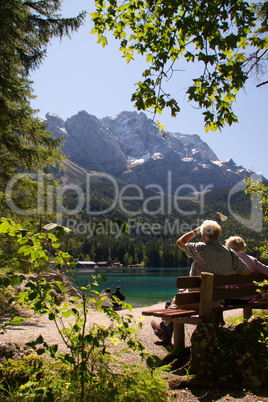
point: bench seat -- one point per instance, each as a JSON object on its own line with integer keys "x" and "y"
{"x": 173, "y": 312}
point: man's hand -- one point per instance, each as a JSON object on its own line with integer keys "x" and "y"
{"x": 187, "y": 237}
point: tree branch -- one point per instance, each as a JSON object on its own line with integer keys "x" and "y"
{"x": 262, "y": 83}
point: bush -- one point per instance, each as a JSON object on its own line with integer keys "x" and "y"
{"x": 34, "y": 379}
{"x": 133, "y": 384}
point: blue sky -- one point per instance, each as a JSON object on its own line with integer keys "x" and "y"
{"x": 78, "y": 74}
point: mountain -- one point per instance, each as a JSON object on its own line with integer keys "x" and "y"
{"x": 152, "y": 216}
{"x": 88, "y": 143}
{"x": 130, "y": 147}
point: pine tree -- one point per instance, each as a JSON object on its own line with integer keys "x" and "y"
{"x": 26, "y": 27}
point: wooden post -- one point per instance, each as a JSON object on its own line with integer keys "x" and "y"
{"x": 206, "y": 291}
{"x": 247, "y": 312}
{"x": 179, "y": 337}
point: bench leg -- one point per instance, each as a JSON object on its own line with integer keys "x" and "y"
{"x": 179, "y": 337}
{"x": 247, "y": 312}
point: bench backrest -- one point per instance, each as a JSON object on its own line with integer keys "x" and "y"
{"x": 188, "y": 282}
{"x": 207, "y": 288}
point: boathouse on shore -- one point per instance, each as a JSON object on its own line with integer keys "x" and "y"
{"x": 85, "y": 264}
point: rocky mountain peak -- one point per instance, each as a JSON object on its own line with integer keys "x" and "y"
{"x": 130, "y": 147}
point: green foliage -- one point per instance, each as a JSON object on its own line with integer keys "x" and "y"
{"x": 34, "y": 379}
{"x": 263, "y": 288}
{"x": 31, "y": 250}
{"x": 214, "y": 34}
{"x": 240, "y": 319}
{"x": 259, "y": 189}
{"x": 255, "y": 187}
{"x": 18, "y": 372}
{"x": 9, "y": 306}
{"x": 133, "y": 383}
{"x": 87, "y": 346}
{"x": 235, "y": 320}
{"x": 260, "y": 313}
{"x": 148, "y": 251}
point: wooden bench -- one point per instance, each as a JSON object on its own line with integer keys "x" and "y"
{"x": 199, "y": 298}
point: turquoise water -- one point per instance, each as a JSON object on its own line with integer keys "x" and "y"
{"x": 141, "y": 289}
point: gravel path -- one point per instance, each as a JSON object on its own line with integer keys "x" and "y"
{"x": 41, "y": 325}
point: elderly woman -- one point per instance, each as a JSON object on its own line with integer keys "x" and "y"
{"x": 238, "y": 245}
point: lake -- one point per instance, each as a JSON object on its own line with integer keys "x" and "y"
{"x": 141, "y": 288}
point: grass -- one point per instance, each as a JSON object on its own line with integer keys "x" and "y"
{"x": 239, "y": 319}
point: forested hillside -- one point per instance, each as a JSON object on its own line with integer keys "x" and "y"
{"x": 154, "y": 220}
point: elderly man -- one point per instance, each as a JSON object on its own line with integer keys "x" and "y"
{"x": 208, "y": 256}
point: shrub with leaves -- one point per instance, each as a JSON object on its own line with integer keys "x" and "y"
{"x": 87, "y": 353}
